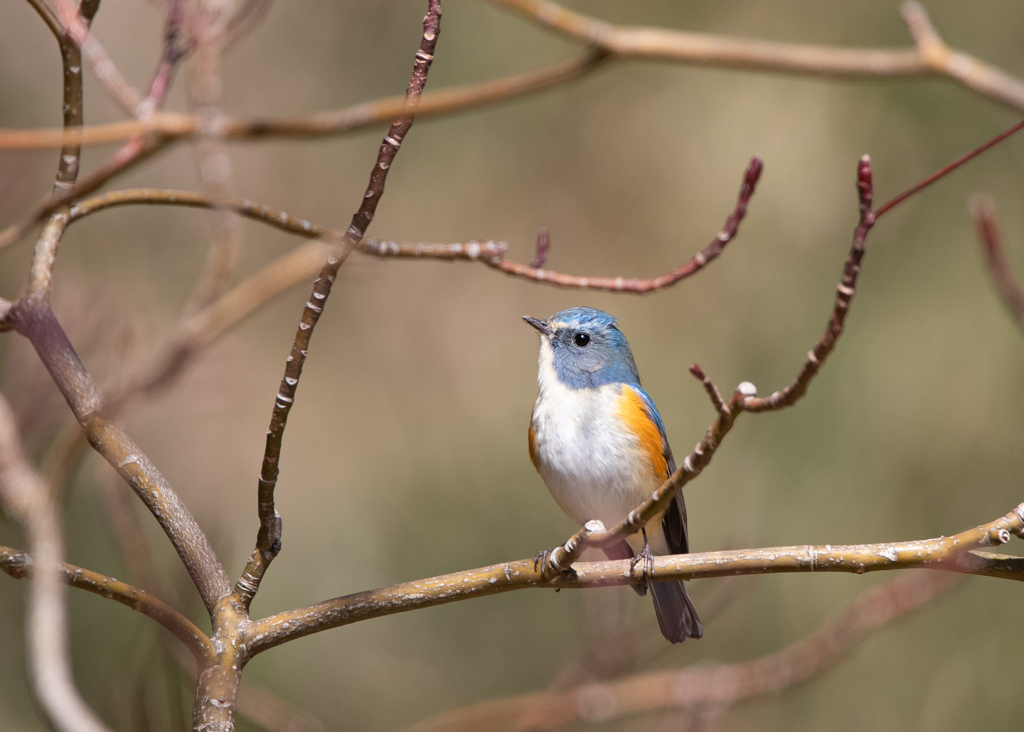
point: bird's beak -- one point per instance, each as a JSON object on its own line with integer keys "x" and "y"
{"x": 542, "y": 325}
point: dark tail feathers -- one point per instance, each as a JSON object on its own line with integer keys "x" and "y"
{"x": 677, "y": 617}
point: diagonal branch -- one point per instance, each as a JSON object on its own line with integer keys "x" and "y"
{"x": 20, "y": 565}
{"x": 268, "y": 539}
{"x": 991, "y": 239}
{"x": 946, "y": 553}
{"x": 358, "y": 117}
{"x": 717, "y": 685}
{"x": 930, "y": 56}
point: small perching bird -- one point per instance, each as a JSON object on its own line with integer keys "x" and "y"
{"x": 598, "y": 442}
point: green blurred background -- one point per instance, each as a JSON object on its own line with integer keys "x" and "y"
{"x": 406, "y": 452}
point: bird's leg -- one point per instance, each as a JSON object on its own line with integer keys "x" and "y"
{"x": 648, "y": 560}
{"x": 542, "y": 558}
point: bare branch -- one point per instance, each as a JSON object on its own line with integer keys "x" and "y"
{"x": 717, "y": 685}
{"x": 102, "y": 67}
{"x": 268, "y": 541}
{"x": 128, "y": 157}
{"x": 984, "y": 213}
{"x": 359, "y": 117}
{"x": 945, "y": 553}
{"x": 706, "y": 49}
{"x": 20, "y": 565}
{"x": 621, "y": 284}
{"x": 28, "y": 499}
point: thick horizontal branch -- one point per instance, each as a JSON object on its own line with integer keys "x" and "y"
{"x": 718, "y": 685}
{"x": 18, "y": 564}
{"x": 942, "y": 553}
{"x": 929, "y": 57}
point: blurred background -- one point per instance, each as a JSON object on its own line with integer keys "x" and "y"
{"x": 406, "y": 452}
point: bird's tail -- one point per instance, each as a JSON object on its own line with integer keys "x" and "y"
{"x": 677, "y": 616}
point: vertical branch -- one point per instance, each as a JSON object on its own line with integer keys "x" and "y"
{"x": 844, "y": 294}
{"x": 268, "y": 539}
{"x": 211, "y": 154}
{"x": 28, "y": 499}
{"x": 32, "y": 317}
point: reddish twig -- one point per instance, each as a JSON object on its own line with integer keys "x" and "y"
{"x": 268, "y": 540}
{"x": 984, "y": 213}
{"x": 943, "y": 172}
{"x": 622, "y": 284}
{"x": 543, "y": 242}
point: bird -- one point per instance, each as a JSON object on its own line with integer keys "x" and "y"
{"x": 599, "y": 444}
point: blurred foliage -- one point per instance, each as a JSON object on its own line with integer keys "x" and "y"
{"x": 406, "y": 453}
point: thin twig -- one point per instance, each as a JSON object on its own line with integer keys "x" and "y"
{"x": 717, "y": 685}
{"x": 623, "y": 284}
{"x": 268, "y": 541}
{"x": 991, "y": 240}
{"x": 945, "y": 553}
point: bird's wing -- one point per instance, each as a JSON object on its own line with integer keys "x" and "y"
{"x": 675, "y": 516}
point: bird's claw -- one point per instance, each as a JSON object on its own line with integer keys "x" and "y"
{"x": 542, "y": 558}
{"x": 647, "y": 558}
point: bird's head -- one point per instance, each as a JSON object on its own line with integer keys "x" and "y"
{"x": 585, "y": 348}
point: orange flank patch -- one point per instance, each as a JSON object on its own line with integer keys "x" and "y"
{"x": 633, "y": 411}
{"x": 533, "y": 449}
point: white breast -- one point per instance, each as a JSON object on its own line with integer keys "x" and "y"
{"x": 593, "y": 468}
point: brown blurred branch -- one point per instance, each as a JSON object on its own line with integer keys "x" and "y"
{"x": 25, "y": 497}
{"x": 174, "y": 126}
{"x": 945, "y": 553}
{"x": 102, "y": 67}
{"x": 929, "y": 57}
{"x": 991, "y": 239}
{"x": 718, "y": 685}
{"x": 268, "y": 539}
{"x": 20, "y": 565}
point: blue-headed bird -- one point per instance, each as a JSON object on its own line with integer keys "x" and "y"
{"x": 598, "y": 442}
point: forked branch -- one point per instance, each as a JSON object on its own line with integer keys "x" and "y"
{"x": 268, "y": 539}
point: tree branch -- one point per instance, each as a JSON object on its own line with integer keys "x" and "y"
{"x": 991, "y": 240}
{"x": 359, "y": 117}
{"x": 268, "y": 540}
{"x": 20, "y": 565}
{"x": 929, "y": 57}
{"x": 945, "y": 553}
{"x": 29, "y": 500}
{"x": 534, "y": 272}
{"x": 717, "y": 685}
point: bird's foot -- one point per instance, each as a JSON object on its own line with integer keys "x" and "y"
{"x": 543, "y": 560}
{"x": 647, "y": 558}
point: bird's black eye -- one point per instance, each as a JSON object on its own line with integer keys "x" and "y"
{"x": 581, "y": 339}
